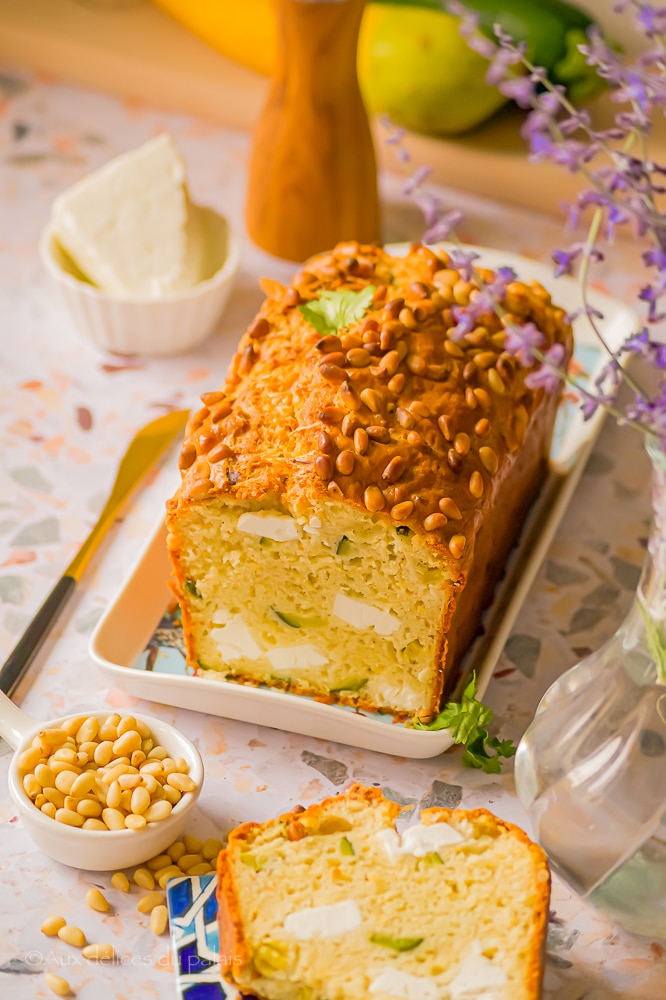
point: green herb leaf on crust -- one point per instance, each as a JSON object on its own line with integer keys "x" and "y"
{"x": 467, "y": 721}
{"x": 346, "y": 846}
{"x": 396, "y": 943}
{"x": 191, "y": 588}
{"x": 334, "y": 311}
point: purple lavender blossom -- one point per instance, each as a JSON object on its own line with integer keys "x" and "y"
{"x": 521, "y": 341}
{"x": 550, "y": 373}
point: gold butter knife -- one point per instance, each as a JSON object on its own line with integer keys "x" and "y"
{"x": 144, "y": 450}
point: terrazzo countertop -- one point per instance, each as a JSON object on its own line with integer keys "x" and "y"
{"x": 66, "y": 416}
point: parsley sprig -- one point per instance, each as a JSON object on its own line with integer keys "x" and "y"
{"x": 334, "y": 311}
{"x": 467, "y": 720}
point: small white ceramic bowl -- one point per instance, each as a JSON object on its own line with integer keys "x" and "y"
{"x": 97, "y": 850}
{"x": 159, "y": 327}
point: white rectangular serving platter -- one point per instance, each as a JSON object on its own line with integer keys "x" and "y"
{"x": 129, "y": 623}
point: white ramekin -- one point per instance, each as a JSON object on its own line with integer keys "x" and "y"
{"x": 173, "y": 324}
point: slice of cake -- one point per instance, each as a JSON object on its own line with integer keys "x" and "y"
{"x": 332, "y": 903}
{"x": 350, "y": 495}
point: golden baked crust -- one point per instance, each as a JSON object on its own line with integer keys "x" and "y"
{"x": 236, "y": 957}
{"x": 395, "y": 416}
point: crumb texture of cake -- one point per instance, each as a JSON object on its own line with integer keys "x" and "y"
{"x": 332, "y": 903}
{"x": 350, "y": 495}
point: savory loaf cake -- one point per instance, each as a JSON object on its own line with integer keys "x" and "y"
{"x": 350, "y": 495}
{"x": 331, "y": 902}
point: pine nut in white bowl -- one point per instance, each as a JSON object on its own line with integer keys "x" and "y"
{"x": 157, "y": 327}
{"x": 125, "y": 841}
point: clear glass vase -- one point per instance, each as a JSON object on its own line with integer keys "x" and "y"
{"x": 591, "y": 768}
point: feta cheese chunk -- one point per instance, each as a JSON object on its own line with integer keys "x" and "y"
{"x": 278, "y": 527}
{"x": 362, "y": 615}
{"x": 323, "y": 921}
{"x": 295, "y": 657}
{"x": 477, "y": 977}
{"x": 235, "y": 640}
{"x": 126, "y": 225}
{"x": 395, "y": 983}
{"x": 418, "y": 840}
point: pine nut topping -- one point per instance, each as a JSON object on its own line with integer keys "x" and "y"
{"x": 445, "y": 425}
{"x": 373, "y": 499}
{"x": 323, "y": 467}
{"x": 457, "y": 545}
{"x": 405, "y": 418}
{"x": 483, "y": 397}
{"x": 349, "y": 397}
{"x": 489, "y": 459}
{"x": 361, "y": 441}
{"x": 394, "y": 469}
{"x": 372, "y": 400}
{"x": 397, "y": 383}
{"x": 450, "y": 508}
{"x": 476, "y": 485}
{"x": 344, "y": 463}
{"x": 434, "y": 522}
{"x": 461, "y": 443}
{"x": 402, "y": 511}
{"x": 481, "y": 427}
{"x": 495, "y": 382}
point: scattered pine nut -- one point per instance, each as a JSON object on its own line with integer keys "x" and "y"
{"x": 176, "y": 850}
{"x": 169, "y": 874}
{"x": 57, "y": 985}
{"x": 211, "y": 848}
{"x": 189, "y": 861}
{"x": 72, "y": 935}
{"x": 100, "y": 952}
{"x": 203, "y": 869}
{"x": 148, "y": 902}
{"x": 160, "y": 861}
{"x": 120, "y": 881}
{"x": 96, "y": 900}
{"x": 144, "y": 878}
{"x": 52, "y": 925}
{"x": 158, "y": 919}
{"x": 192, "y": 844}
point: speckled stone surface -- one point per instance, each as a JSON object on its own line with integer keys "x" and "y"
{"x": 66, "y": 415}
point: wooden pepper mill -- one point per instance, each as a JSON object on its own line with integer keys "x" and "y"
{"x": 313, "y": 176}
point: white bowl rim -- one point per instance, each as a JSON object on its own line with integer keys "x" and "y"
{"x": 227, "y": 271}
{"x": 33, "y": 814}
